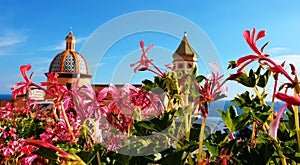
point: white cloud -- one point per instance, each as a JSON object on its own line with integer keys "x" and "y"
{"x": 276, "y": 50}
{"x": 289, "y": 59}
{"x": 6, "y": 41}
{"x": 10, "y": 38}
{"x": 81, "y": 39}
{"x": 60, "y": 46}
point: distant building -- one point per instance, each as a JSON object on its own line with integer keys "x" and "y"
{"x": 69, "y": 63}
{"x": 5, "y": 98}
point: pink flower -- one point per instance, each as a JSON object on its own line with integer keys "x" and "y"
{"x": 144, "y": 62}
{"x": 85, "y": 101}
{"x": 28, "y": 160}
{"x": 275, "y": 123}
{"x": 124, "y": 101}
{"x": 12, "y": 133}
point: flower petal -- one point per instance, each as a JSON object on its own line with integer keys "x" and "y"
{"x": 246, "y": 58}
{"x": 24, "y": 69}
{"x": 252, "y": 36}
{"x": 260, "y": 35}
{"x": 288, "y": 99}
{"x": 275, "y": 123}
{"x": 142, "y": 45}
{"x": 246, "y": 35}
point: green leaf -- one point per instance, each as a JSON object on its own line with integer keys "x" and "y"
{"x": 200, "y": 78}
{"x": 212, "y": 142}
{"x": 47, "y": 153}
{"x": 263, "y": 79}
{"x": 233, "y": 121}
{"x": 157, "y": 124}
{"x": 231, "y": 65}
{"x": 247, "y": 80}
{"x": 194, "y": 71}
{"x": 252, "y": 106}
{"x": 176, "y": 157}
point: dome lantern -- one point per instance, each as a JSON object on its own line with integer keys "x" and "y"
{"x": 70, "y": 42}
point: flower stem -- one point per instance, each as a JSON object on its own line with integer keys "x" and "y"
{"x": 297, "y": 121}
{"x": 280, "y": 153}
{"x": 98, "y": 158}
{"x": 161, "y": 73}
{"x": 67, "y": 122}
{"x": 259, "y": 95}
{"x": 253, "y": 131}
{"x": 201, "y": 137}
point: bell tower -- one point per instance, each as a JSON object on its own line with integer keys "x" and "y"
{"x": 184, "y": 57}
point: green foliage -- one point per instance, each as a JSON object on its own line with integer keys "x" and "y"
{"x": 27, "y": 127}
{"x": 253, "y": 107}
{"x": 167, "y": 84}
{"x": 254, "y": 78}
{"x": 157, "y": 124}
{"x": 233, "y": 121}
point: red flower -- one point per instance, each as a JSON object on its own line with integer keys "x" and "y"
{"x": 252, "y": 43}
{"x": 251, "y": 40}
{"x": 259, "y": 54}
{"x": 54, "y": 88}
{"x": 288, "y": 99}
{"x": 23, "y": 85}
{"x": 208, "y": 91}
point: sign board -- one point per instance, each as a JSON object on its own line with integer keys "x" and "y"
{"x": 37, "y": 94}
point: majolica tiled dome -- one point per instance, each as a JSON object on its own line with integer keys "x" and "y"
{"x": 69, "y": 61}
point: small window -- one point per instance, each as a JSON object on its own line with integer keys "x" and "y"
{"x": 190, "y": 66}
{"x": 180, "y": 66}
{"x": 68, "y": 85}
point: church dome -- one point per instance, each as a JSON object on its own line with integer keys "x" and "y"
{"x": 69, "y": 61}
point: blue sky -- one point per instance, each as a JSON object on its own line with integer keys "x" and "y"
{"x": 33, "y": 32}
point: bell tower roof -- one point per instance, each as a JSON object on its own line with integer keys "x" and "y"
{"x": 184, "y": 48}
